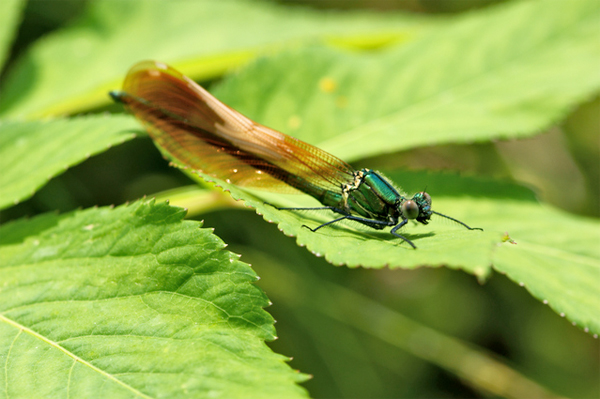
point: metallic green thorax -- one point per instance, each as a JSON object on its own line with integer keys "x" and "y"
{"x": 372, "y": 197}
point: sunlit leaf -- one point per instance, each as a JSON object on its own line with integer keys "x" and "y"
{"x": 554, "y": 254}
{"x": 556, "y": 257}
{"x": 133, "y": 302}
{"x": 440, "y": 243}
{"x": 72, "y": 70}
{"x": 504, "y": 72}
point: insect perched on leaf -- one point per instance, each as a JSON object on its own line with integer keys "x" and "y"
{"x": 202, "y": 133}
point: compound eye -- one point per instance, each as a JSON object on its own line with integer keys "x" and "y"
{"x": 426, "y": 196}
{"x": 410, "y": 209}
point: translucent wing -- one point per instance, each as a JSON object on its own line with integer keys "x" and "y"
{"x": 204, "y": 134}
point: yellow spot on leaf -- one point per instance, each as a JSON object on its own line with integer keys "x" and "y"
{"x": 327, "y": 85}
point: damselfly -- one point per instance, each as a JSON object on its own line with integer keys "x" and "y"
{"x": 207, "y": 136}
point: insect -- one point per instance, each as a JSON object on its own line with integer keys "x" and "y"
{"x": 196, "y": 129}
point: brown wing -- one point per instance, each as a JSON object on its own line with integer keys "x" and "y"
{"x": 206, "y": 135}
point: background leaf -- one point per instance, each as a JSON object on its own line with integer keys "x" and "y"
{"x": 133, "y": 302}
{"x": 203, "y": 38}
{"x": 31, "y": 153}
{"x": 10, "y": 15}
{"x": 501, "y": 73}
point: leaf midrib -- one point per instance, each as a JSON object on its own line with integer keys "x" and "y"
{"x": 76, "y": 358}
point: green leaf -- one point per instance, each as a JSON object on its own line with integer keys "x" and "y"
{"x": 556, "y": 255}
{"x": 500, "y": 73}
{"x": 441, "y": 243}
{"x": 134, "y": 302}
{"x": 17, "y": 232}
{"x": 31, "y": 153}
{"x": 73, "y": 69}
{"x": 10, "y": 15}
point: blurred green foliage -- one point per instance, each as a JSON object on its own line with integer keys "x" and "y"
{"x": 561, "y": 165}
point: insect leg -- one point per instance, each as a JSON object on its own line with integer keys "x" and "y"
{"x": 378, "y": 224}
{"x": 398, "y": 226}
{"x": 318, "y": 208}
{"x": 373, "y": 223}
{"x": 328, "y": 223}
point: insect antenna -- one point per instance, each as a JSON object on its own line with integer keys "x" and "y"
{"x": 457, "y": 221}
